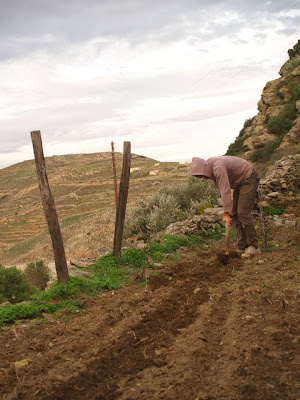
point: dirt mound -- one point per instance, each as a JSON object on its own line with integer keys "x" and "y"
{"x": 199, "y": 330}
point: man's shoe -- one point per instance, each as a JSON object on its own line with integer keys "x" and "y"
{"x": 251, "y": 251}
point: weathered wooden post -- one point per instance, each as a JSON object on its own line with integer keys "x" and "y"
{"x": 114, "y": 172}
{"x": 49, "y": 209}
{"x": 122, "y": 200}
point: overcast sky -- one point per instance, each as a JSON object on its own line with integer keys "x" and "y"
{"x": 177, "y": 78}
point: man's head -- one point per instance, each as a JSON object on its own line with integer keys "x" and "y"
{"x": 201, "y": 169}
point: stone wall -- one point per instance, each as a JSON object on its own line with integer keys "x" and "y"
{"x": 282, "y": 180}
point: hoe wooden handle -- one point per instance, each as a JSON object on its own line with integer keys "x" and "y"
{"x": 226, "y": 238}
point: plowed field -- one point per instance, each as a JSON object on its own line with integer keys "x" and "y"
{"x": 198, "y": 330}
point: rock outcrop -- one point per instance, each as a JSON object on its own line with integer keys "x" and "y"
{"x": 275, "y": 96}
{"x": 277, "y": 124}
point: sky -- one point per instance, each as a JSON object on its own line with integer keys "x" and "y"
{"x": 176, "y": 78}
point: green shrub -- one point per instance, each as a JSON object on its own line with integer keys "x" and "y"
{"x": 246, "y": 125}
{"x": 170, "y": 204}
{"x": 13, "y": 312}
{"x": 197, "y": 208}
{"x": 38, "y": 274}
{"x": 293, "y": 87}
{"x": 13, "y": 285}
{"x": 282, "y": 123}
{"x": 189, "y": 191}
{"x": 132, "y": 258}
{"x": 109, "y": 275}
{"x": 76, "y": 286}
{"x": 18, "y": 311}
{"x": 163, "y": 214}
{"x": 237, "y": 147}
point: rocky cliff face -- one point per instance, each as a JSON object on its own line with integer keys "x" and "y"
{"x": 277, "y": 124}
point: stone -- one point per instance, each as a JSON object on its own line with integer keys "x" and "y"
{"x": 273, "y": 194}
{"x": 283, "y": 178}
{"x": 260, "y": 141}
{"x": 277, "y": 221}
{"x": 81, "y": 274}
{"x": 208, "y": 221}
{"x": 154, "y": 172}
{"x": 212, "y": 211}
{"x": 140, "y": 245}
{"x": 290, "y": 224}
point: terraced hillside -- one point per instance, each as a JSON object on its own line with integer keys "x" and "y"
{"x": 82, "y": 186}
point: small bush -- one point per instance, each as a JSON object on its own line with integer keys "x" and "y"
{"x": 76, "y": 286}
{"x": 283, "y": 122}
{"x": 170, "y": 204}
{"x": 13, "y": 285}
{"x": 246, "y": 125}
{"x": 13, "y": 312}
{"x": 237, "y": 147}
{"x": 38, "y": 274}
{"x": 132, "y": 258}
{"x": 109, "y": 275}
{"x": 163, "y": 214}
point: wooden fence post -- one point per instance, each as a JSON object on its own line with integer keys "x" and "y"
{"x": 122, "y": 200}
{"x": 114, "y": 172}
{"x": 49, "y": 209}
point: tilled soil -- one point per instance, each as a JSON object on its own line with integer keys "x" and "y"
{"x": 198, "y": 330}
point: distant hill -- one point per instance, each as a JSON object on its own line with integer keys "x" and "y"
{"x": 275, "y": 131}
{"x": 83, "y": 190}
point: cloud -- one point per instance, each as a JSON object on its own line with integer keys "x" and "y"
{"x": 87, "y": 72}
{"x": 41, "y": 24}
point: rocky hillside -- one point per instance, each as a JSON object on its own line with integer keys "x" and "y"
{"x": 275, "y": 131}
{"x": 83, "y": 190}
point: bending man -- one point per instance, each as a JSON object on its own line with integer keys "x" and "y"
{"x": 235, "y": 173}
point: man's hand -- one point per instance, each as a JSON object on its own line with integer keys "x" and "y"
{"x": 226, "y": 218}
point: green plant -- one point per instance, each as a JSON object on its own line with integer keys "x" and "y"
{"x": 237, "y": 147}
{"x": 163, "y": 213}
{"x": 246, "y": 125}
{"x": 110, "y": 273}
{"x": 170, "y": 204}
{"x": 132, "y": 258}
{"x": 282, "y": 123}
{"x": 13, "y": 285}
{"x": 271, "y": 210}
{"x": 13, "y": 312}
{"x": 38, "y": 274}
{"x": 76, "y": 287}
